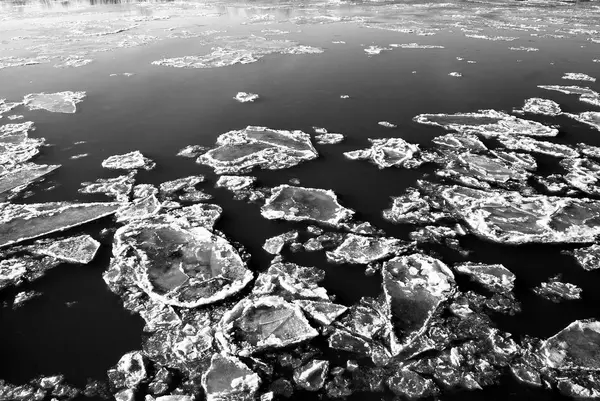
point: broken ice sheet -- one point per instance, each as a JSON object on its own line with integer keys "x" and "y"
{"x": 358, "y": 249}
{"x": 274, "y": 245}
{"x": 171, "y": 187}
{"x": 489, "y": 123}
{"x": 414, "y": 286}
{"x": 415, "y": 46}
{"x": 588, "y": 257}
{"x": 268, "y": 322}
{"x": 228, "y": 378}
{"x": 312, "y": 376}
{"x": 455, "y": 74}
{"x": 80, "y": 249}
{"x": 24, "y": 296}
{"x": 511, "y": 218}
{"x": 329, "y": 138}
{"x": 242, "y": 150}
{"x": 495, "y": 278}
{"x": 192, "y": 151}
{"x": 298, "y": 203}
{"x": 244, "y": 97}
{"x": 459, "y": 142}
{"x": 374, "y": 50}
{"x": 22, "y": 222}
{"x": 532, "y": 145}
{"x": 118, "y": 188}
{"x": 536, "y": 105}
{"x": 587, "y": 117}
{"x": 574, "y": 347}
{"x": 524, "y": 49}
{"x": 414, "y": 207}
{"x": 15, "y": 270}
{"x": 291, "y": 282}
{"x": 578, "y": 76}
{"x": 59, "y": 102}
{"x": 556, "y": 291}
{"x": 387, "y": 124}
{"x": 582, "y": 173}
{"x": 390, "y": 152}
{"x": 15, "y": 145}
{"x": 181, "y": 266}
{"x": 22, "y": 175}
{"x": 128, "y": 161}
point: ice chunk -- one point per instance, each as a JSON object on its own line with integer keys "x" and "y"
{"x": 510, "y": 218}
{"x": 129, "y": 372}
{"x": 414, "y": 287}
{"x": 546, "y": 107}
{"x": 129, "y": 161}
{"x": 298, "y": 203}
{"x": 139, "y": 209}
{"x": 588, "y": 117}
{"x": 415, "y": 46}
{"x": 22, "y": 222}
{"x": 344, "y": 96}
{"x": 329, "y": 138}
{"x": 23, "y": 175}
{"x": 73, "y": 62}
{"x": 582, "y": 174}
{"x": 589, "y": 257}
{"x": 455, "y": 74}
{"x": 586, "y": 95}
{"x": 387, "y": 153}
{"x": 274, "y": 245}
{"x": 373, "y": 50}
{"x": 524, "y": 49}
{"x": 118, "y": 188}
{"x": 228, "y": 378}
{"x": 192, "y": 151}
{"x": 535, "y": 146}
{"x": 358, "y": 249}
{"x": 489, "y": 123}
{"x": 242, "y": 150}
{"x": 496, "y": 278}
{"x": 170, "y": 187}
{"x": 387, "y": 124}
{"x": 291, "y": 281}
{"x": 79, "y": 156}
{"x": 255, "y": 325}
{"x": 413, "y": 208}
{"x": 235, "y": 183}
{"x": 16, "y": 117}
{"x": 460, "y": 142}
{"x": 16, "y": 270}
{"x": 185, "y": 267}
{"x": 411, "y": 385}
{"x": 59, "y": 102}
{"x": 577, "y": 346}
{"x": 15, "y": 145}
{"x": 23, "y": 297}
{"x": 194, "y": 195}
{"x": 492, "y": 38}
{"x": 141, "y": 191}
{"x": 557, "y": 291}
{"x": 81, "y": 249}
{"x": 578, "y": 76}
{"x": 244, "y": 97}
{"x": 199, "y": 215}
{"x": 323, "y": 312}
{"x": 312, "y": 376}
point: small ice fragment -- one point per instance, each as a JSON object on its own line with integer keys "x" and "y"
{"x": 557, "y": 291}
{"x": 415, "y": 46}
{"x": 320, "y": 130}
{"x": 170, "y": 187}
{"x": 329, "y": 138}
{"x": 228, "y": 378}
{"x": 192, "y": 151}
{"x": 338, "y": 42}
{"x": 524, "y": 49}
{"x": 118, "y": 187}
{"x": 471, "y": 62}
{"x": 59, "y": 102}
{"x": 536, "y": 105}
{"x": 460, "y": 58}
{"x": 274, "y": 245}
{"x": 588, "y": 257}
{"x": 81, "y": 249}
{"x": 387, "y": 153}
{"x": 24, "y": 296}
{"x": 344, "y": 96}
{"x": 79, "y": 156}
{"x": 73, "y": 62}
{"x": 496, "y": 278}
{"x": 455, "y": 74}
{"x": 373, "y": 50}
{"x": 244, "y": 97}
{"x": 129, "y": 161}
{"x": 15, "y": 117}
{"x": 387, "y": 124}
{"x": 578, "y": 76}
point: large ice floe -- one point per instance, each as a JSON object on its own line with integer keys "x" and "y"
{"x": 511, "y": 218}
{"x": 298, "y": 203}
{"x": 391, "y": 152}
{"x": 586, "y": 94}
{"x": 488, "y": 123}
{"x": 59, "y": 102}
{"x": 129, "y": 161}
{"x": 178, "y": 265}
{"x": 242, "y": 150}
{"x": 239, "y": 50}
{"x": 536, "y": 105}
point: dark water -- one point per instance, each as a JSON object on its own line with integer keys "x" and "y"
{"x": 160, "y": 110}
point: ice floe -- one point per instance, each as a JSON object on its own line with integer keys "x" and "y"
{"x": 496, "y": 278}
{"x": 588, "y": 257}
{"x": 80, "y": 249}
{"x": 244, "y": 97}
{"x": 455, "y": 74}
{"x": 524, "y": 49}
{"x": 329, "y": 138}
{"x": 118, "y": 188}
{"x": 374, "y": 50}
{"x": 274, "y": 245}
{"x": 415, "y": 46}
{"x": 557, "y": 291}
{"x": 129, "y": 161}
{"x": 535, "y": 146}
{"x": 587, "y": 117}
{"x": 228, "y": 378}
{"x": 536, "y": 105}
{"x": 578, "y": 76}
{"x": 387, "y": 124}
{"x": 391, "y": 152}
{"x": 59, "y": 102}
{"x": 192, "y": 151}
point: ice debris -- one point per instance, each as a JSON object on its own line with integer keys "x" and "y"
{"x": 15, "y": 270}
{"x": 574, "y": 347}
{"x": 578, "y": 76}
{"x": 59, "y": 102}
{"x": 532, "y": 145}
{"x": 13, "y": 180}
{"x": 358, "y": 249}
{"x": 415, "y": 46}
{"x": 24, "y": 296}
{"x": 588, "y": 257}
{"x": 387, "y": 124}
{"x": 312, "y": 376}
{"x": 292, "y": 282}
{"x": 240, "y": 151}
{"x": 536, "y": 105}
{"x": 180, "y": 184}
{"x": 244, "y": 97}
{"x": 118, "y": 188}
{"x": 177, "y": 265}
{"x": 80, "y": 249}
{"x": 274, "y": 245}
{"x": 588, "y": 117}
{"x": 557, "y": 291}
{"x": 329, "y": 138}
{"x": 192, "y": 151}
{"x": 455, "y": 74}
{"x": 495, "y": 278}
{"x": 129, "y": 372}
{"x": 374, "y": 50}
{"x": 298, "y": 203}
{"x": 489, "y": 123}
{"x": 524, "y": 49}
{"x": 129, "y": 161}
{"x": 390, "y": 152}
{"x": 228, "y": 378}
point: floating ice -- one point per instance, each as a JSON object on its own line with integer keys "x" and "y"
{"x": 16, "y": 270}
{"x": 15, "y": 117}
{"x": 524, "y": 49}
{"x": 59, "y": 102}
{"x": 241, "y": 186}
{"x": 244, "y": 97}
{"x": 15, "y": 145}
{"x": 535, "y": 146}
{"x": 455, "y": 74}
{"x": 588, "y": 117}
{"x": 329, "y": 138}
{"x": 411, "y": 385}
{"x": 73, "y": 62}
{"x": 255, "y": 325}
{"x": 414, "y": 287}
{"x": 192, "y": 151}
{"x": 81, "y": 249}
{"x": 374, "y": 50}
{"x": 22, "y": 222}
{"x": 292, "y": 282}
{"x": 129, "y": 372}
{"x": 459, "y": 142}
{"x": 391, "y": 152}
{"x": 6, "y": 62}
{"x": 415, "y": 46}
{"x": 358, "y": 249}
{"x": 493, "y": 38}
{"x": 240, "y": 151}
{"x": 496, "y": 278}
{"x": 194, "y": 195}
{"x": 129, "y": 161}
{"x": 557, "y": 291}
{"x": 588, "y": 257}
{"x": 574, "y": 347}
{"x": 119, "y": 187}
{"x": 5, "y": 107}
{"x": 413, "y": 208}
{"x": 578, "y": 76}
{"x": 228, "y": 378}
{"x": 22, "y": 175}
{"x": 344, "y": 96}
{"x": 79, "y": 156}
{"x": 546, "y": 107}
{"x": 171, "y": 187}
{"x": 140, "y": 208}
{"x": 510, "y": 218}
{"x": 387, "y": 124}
{"x": 298, "y": 203}
{"x": 274, "y": 245}
{"x": 312, "y": 376}
{"x": 489, "y": 123}
{"x": 323, "y": 312}
{"x": 23, "y": 297}
{"x": 583, "y": 174}
{"x": 175, "y": 265}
